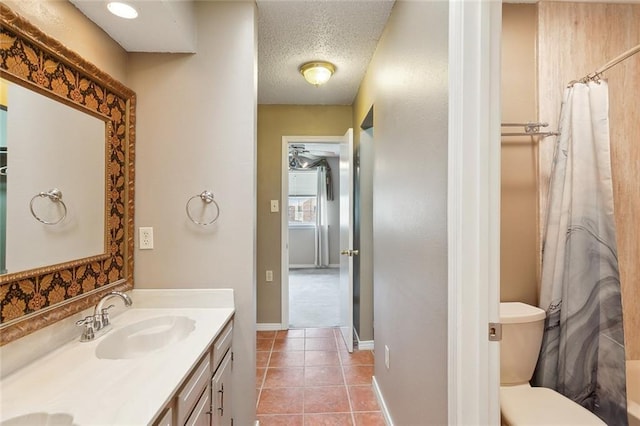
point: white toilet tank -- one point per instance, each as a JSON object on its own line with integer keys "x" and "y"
{"x": 522, "y": 328}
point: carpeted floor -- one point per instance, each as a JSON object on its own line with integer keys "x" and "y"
{"x": 314, "y": 297}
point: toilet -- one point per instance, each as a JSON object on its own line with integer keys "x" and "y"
{"x": 520, "y": 403}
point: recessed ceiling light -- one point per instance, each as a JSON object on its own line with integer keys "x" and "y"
{"x": 122, "y": 10}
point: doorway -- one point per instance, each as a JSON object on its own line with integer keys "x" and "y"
{"x": 317, "y": 233}
{"x": 313, "y": 213}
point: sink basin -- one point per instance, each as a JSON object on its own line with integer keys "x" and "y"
{"x": 44, "y": 419}
{"x": 143, "y": 337}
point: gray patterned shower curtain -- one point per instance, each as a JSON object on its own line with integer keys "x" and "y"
{"x": 582, "y": 353}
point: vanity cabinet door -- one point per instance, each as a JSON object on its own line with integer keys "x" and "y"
{"x": 166, "y": 419}
{"x": 201, "y": 414}
{"x": 221, "y": 393}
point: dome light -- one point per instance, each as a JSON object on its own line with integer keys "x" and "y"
{"x": 317, "y": 73}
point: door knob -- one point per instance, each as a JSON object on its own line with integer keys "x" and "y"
{"x": 350, "y": 252}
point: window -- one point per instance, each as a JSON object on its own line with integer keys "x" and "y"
{"x": 302, "y": 210}
{"x": 303, "y": 189}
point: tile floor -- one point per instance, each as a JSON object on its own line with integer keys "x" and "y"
{"x": 306, "y": 377}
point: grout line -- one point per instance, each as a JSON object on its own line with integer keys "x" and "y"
{"x": 344, "y": 379}
{"x": 264, "y": 376}
{"x": 304, "y": 415}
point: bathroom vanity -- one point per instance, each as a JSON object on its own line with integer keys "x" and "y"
{"x": 201, "y": 399}
{"x": 166, "y": 361}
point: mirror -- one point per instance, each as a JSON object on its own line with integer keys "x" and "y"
{"x": 39, "y": 230}
{"x": 40, "y": 295}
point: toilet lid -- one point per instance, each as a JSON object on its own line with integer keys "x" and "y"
{"x": 524, "y": 405}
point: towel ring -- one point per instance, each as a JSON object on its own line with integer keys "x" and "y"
{"x": 207, "y": 198}
{"x": 55, "y": 195}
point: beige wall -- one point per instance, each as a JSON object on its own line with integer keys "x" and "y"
{"x": 575, "y": 39}
{"x": 407, "y": 81}
{"x": 274, "y": 122}
{"x": 518, "y": 232}
{"x": 196, "y": 130}
{"x": 62, "y": 21}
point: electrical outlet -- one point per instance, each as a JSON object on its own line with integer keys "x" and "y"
{"x": 275, "y": 206}
{"x": 386, "y": 356}
{"x": 269, "y": 276}
{"x": 145, "y": 241}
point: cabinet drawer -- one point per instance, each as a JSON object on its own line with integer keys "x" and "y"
{"x": 201, "y": 415}
{"x": 222, "y": 344}
{"x": 191, "y": 391}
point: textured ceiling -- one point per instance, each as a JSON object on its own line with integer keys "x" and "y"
{"x": 290, "y": 32}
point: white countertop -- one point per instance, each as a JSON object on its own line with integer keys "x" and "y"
{"x": 71, "y": 380}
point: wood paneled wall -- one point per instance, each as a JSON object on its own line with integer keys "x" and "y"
{"x": 575, "y": 39}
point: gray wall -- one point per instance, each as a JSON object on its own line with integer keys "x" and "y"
{"x": 196, "y": 130}
{"x": 301, "y": 246}
{"x": 408, "y": 78}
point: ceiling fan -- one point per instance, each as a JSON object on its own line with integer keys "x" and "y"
{"x": 312, "y": 151}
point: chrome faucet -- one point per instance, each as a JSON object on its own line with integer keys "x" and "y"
{"x": 98, "y": 323}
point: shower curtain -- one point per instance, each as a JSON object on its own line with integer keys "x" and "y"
{"x": 322, "y": 222}
{"x": 582, "y": 354}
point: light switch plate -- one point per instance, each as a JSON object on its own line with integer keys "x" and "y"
{"x": 274, "y": 206}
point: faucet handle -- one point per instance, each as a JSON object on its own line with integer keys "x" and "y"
{"x": 85, "y": 321}
{"x": 88, "y": 333}
{"x": 104, "y": 315}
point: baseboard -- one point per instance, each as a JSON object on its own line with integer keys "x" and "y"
{"x": 365, "y": 345}
{"x": 383, "y": 405}
{"x": 268, "y": 326}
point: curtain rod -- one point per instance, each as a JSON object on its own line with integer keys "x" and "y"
{"x": 594, "y": 76}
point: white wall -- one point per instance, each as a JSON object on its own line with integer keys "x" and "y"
{"x": 64, "y": 149}
{"x": 196, "y": 130}
{"x": 407, "y": 82}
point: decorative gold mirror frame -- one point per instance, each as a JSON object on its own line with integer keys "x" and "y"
{"x": 33, "y": 299}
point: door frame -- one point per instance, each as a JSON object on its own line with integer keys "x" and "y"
{"x": 474, "y": 211}
{"x": 284, "y": 223}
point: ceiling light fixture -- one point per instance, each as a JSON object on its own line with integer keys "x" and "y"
{"x": 122, "y": 10}
{"x": 318, "y": 72}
